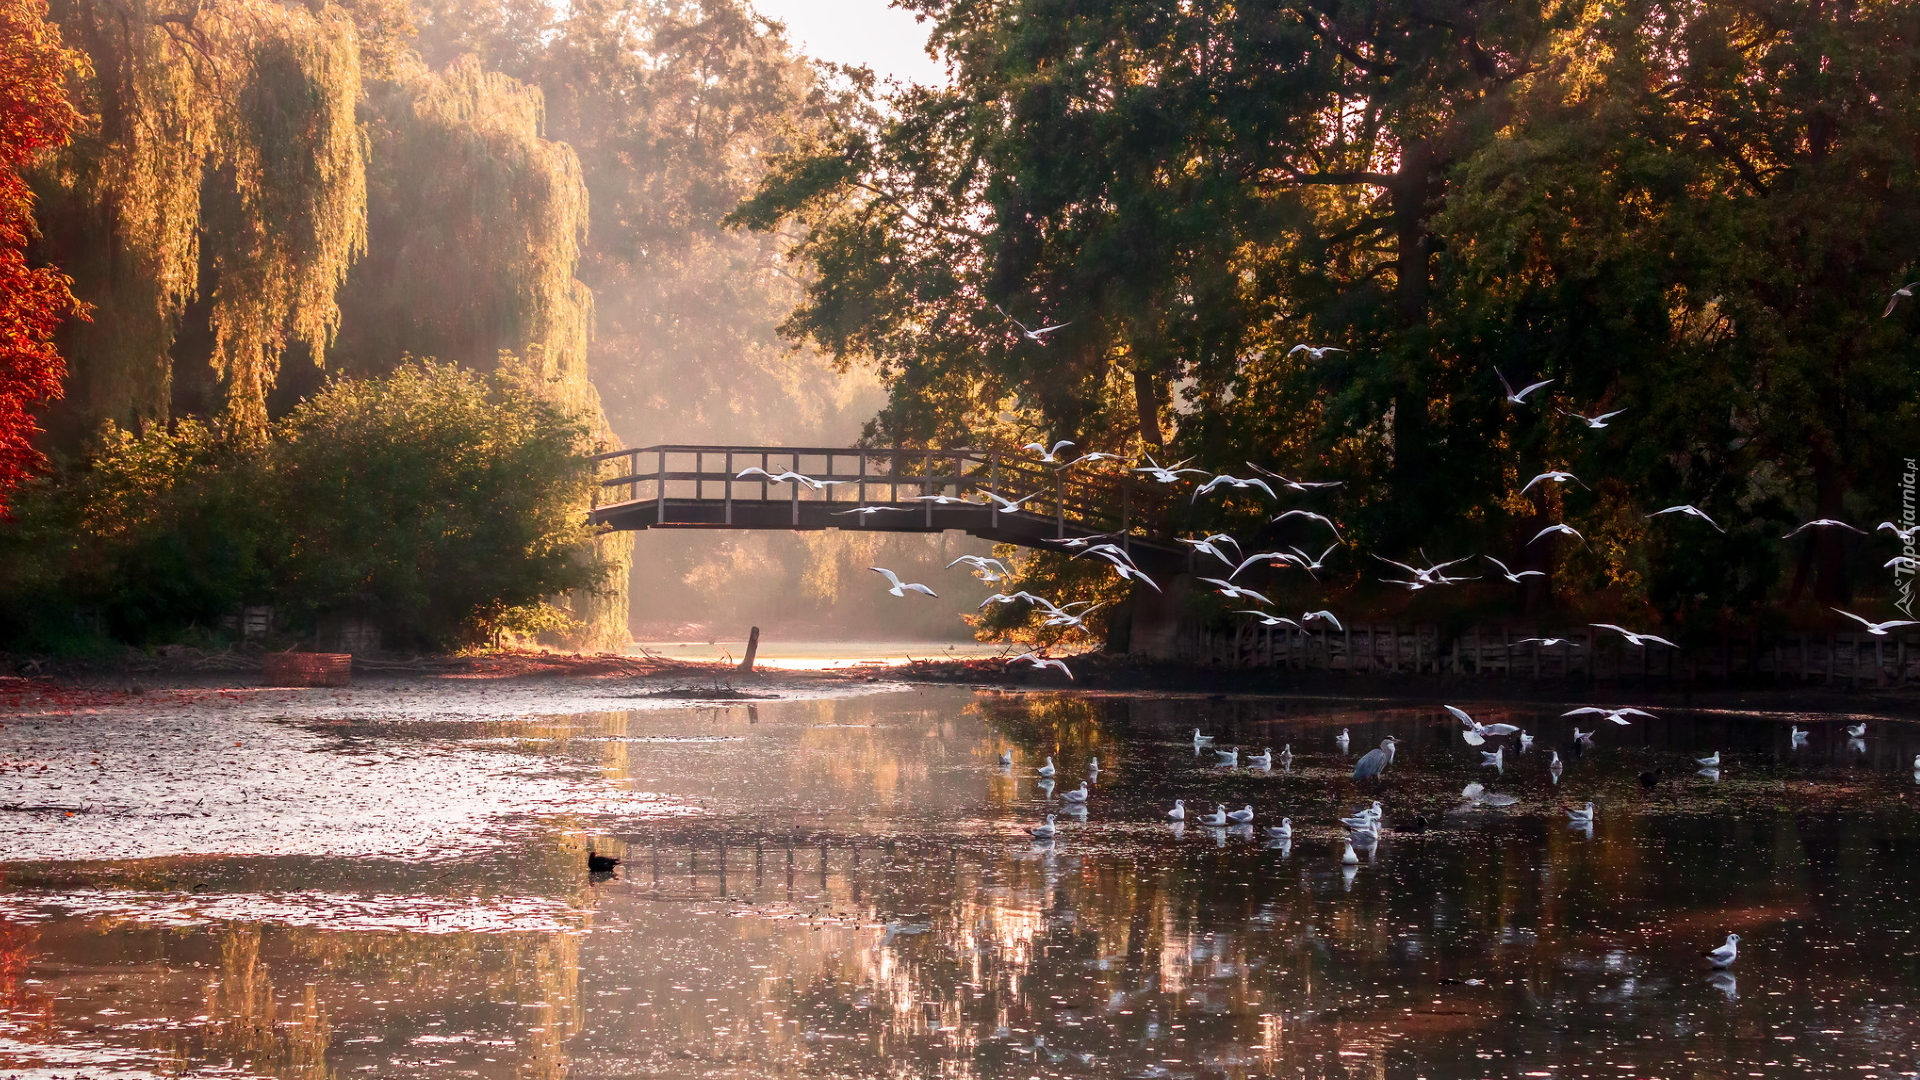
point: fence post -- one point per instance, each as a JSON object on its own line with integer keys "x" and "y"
{"x": 993, "y": 485}
{"x": 729, "y": 487}
{"x": 660, "y": 494}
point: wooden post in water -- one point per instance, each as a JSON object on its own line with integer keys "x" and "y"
{"x": 753, "y": 648}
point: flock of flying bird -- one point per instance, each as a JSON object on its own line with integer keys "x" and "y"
{"x": 1364, "y": 826}
{"x": 1234, "y": 561}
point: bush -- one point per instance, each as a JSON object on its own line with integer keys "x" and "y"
{"x": 442, "y": 504}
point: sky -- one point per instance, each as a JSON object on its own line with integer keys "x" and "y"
{"x": 886, "y": 39}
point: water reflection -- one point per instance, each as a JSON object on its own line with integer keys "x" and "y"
{"x": 852, "y": 892}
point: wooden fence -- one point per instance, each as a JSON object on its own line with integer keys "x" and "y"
{"x": 1850, "y": 660}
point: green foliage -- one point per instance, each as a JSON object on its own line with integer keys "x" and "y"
{"x": 1051, "y": 574}
{"x": 1693, "y": 212}
{"x": 435, "y": 500}
{"x": 440, "y": 503}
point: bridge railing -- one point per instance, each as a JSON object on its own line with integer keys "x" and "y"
{"x": 1088, "y": 500}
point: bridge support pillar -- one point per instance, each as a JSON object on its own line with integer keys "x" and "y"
{"x": 1154, "y": 618}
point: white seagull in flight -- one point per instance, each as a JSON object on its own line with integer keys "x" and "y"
{"x": 1167, "y": 474}
{"x": 1879, "y": 629}
{"x": 1618, "y": 716}
{"x": 1519, "y": 398}
{"x": 1041, "y": 663}
{"x": 1317, "y": 352}
{"x": 1235, "y": 592}
{"x": 1518, "y": 577}
{"x": 1906, "y": 535}
{"x": 1904, "y": 292}
{"x": 1047, "y": 456}
{"x": 1594, "y": 422}
{"x": 1295, "y": 485}
{"x": 1689, "y": 510}
{"x": 869, "y": 511}
{"x": 1311, "y": 516}
{"x": 1555, "y": 475}
{"x": 1034, "y": 334}
{"x": 1223, "y": 480}
{"x": 1824, "y": 523}
{"x": 1561, "y": 530}
{"x": 990, "y": 570}
{"x": 1633, "y": 638}
{"x": 898, "y": 587}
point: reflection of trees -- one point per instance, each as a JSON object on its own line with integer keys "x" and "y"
{"x": 244, "y": 1024}
{"x": 24, "y": 1008}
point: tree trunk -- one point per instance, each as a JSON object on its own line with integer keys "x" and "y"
{"x": 1412, "y": 457}
{"x": 1146, "y": 398}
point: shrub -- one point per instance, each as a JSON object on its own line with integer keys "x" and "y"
{"x": 442, "y": 504}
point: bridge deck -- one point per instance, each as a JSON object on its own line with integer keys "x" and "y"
{"x": 699, "y": 487}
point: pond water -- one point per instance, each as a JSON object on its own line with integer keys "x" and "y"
{"x": 846, "y": 887}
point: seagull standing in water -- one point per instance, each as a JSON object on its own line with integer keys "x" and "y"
{"x": 1046, "y": 831}
{"x": 1725, "y": 955}
{"x": 1582, "y": 816}
{"x": 1286, "y": 756}
{"x": 1077, "y": 795}
{"x": 1217, "y": 818}
{"x": 1344, "y": 740}
{"x": 1262, "y": 760}
{"x": 1711, "y": 761}
{"x": 1375, "y": 762}
{"x": 1227, "y": 759}
{"x": 1282, "y": 831}
{"x": 1179, "y": 811}
{"x": 1047, "y": 769}
{"x": 1200, "y": 740}
{"x": 1798, "y": 737}
{"x": 1242, "y": 816}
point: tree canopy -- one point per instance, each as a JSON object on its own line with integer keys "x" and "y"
{"x": 1692, "y": 212}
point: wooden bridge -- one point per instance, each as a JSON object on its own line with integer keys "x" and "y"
{"x": 889, "y": 490}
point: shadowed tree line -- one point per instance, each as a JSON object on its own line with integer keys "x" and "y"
{"x": 1695, "y": 213}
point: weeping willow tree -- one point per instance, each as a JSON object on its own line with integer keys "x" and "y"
{"x": 217, "y": 201}
{"x": 221, "y": 163}
{"x": 477, "y": 222}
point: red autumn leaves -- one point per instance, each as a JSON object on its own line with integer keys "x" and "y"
{"x": 34, "y": 116}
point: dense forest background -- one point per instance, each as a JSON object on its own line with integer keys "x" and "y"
{"x": 1690, "y": 216}
{"x": 261, "y": 197}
